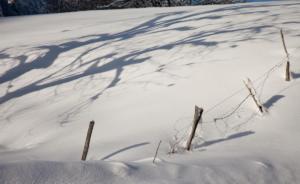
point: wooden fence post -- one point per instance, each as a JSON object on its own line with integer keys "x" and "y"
{"x": 287, "y": 68}
{"x": 197, "y": 118}
{"x": 287, "y": 71}
{"x": 87, "y": 141}
{"x": 252, "y": 92}
{"x": 156, "y": 152}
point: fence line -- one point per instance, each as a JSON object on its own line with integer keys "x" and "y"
{"x": 264, "y": 77}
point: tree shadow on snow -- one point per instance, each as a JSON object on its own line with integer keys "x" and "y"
{"x": 80, "y": 67}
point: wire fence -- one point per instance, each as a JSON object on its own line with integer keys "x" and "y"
{"x": 181, "y": 134}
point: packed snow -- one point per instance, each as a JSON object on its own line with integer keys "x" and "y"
{"x": 138, "y": 73}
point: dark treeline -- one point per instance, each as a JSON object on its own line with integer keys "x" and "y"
{"x": 28, "y": 7}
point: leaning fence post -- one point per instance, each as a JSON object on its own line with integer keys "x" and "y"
{"x": 156, "y": 152}
{"x": 252, "y": 92}
{"x": 287, "y": 68}
{"x": 197, "y": 118}
{"x": 87, "y": 141}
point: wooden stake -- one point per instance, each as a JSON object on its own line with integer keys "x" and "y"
{"x": 287, "y": 69}
{"x": 87, "y": 141}
{"x": 156, "y": 151}
{"x": 283, "y": 42}
{"x": 252, "y": 92}
{"x": 197, "y": 118}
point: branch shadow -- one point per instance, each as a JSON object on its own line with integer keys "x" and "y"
{"x": 80, "y": 67}
{"x": 231, "y": 137}
{"x": 124, "y": 149}
{"x": 53, "y": 51}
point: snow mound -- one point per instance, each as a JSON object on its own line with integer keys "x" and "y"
{"x": 235, "y": 171}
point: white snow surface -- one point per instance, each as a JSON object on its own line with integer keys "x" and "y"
{"x": 138, "y": 73}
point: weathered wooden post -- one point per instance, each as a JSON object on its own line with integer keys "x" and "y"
{"x": 87, "y": 141}
{"x": 252, "y": 92}
{"x": 287, "y": 68}
{"x": 287, "y": 71}
{"x": 156, "y": 152}
{"x": 197, "y": 118}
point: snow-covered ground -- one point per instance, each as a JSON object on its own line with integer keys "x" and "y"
{"x": 139, "y": 73}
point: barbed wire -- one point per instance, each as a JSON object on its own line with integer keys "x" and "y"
{"x": 267, "y": 74}
{"x": 261, "y": 85}
{"x": 184, "y": 131}
{"x": 233, "y": 111}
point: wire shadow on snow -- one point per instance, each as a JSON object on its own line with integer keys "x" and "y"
{"x": 124, "y": 149}
{"x": 231, "y": 137}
